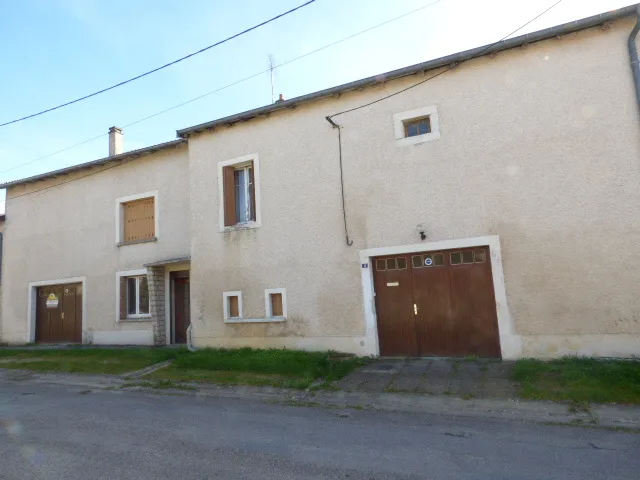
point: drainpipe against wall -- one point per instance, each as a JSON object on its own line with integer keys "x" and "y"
{"x": 633, "y": 54}
{"x": 190, "y": 346}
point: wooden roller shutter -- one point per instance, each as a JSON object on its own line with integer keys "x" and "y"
{"x": 228, "y": 190}
{"x": 139, "y": 220}
{"x": 234, "y": 307}
{"x": 276, "y": 305}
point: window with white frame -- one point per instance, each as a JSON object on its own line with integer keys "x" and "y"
{"x": 239, "y": 188}
{"x": 132, "y": 292}
{"x": 137, "y": 296}
{"x": 244, "y": 195}
{"x": 416, "y": 126}
{"x": 232, "y": 305}
{"x": 276, "y": 303}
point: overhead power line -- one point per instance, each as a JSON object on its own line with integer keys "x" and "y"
{"x": 70, "y": 180}
{"x": 242, "y": 80}
{"x": 482, "y": 52}
{"x": 329, "y": 118}
{"x": 15, "y": 167}
{"x": 158, "y": 68}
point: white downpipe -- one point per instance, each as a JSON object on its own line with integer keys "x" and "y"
{"x": 190, "y": 346}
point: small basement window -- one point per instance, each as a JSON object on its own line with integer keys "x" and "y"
{"x": 276, "y": 302}
{"x": 232, "y": 305}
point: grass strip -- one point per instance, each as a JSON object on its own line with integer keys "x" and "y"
{"x": 579, "y": 379}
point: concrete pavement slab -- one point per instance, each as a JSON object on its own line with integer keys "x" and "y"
{"x": 467, "y": 379}
{"x": 438, "y": 377}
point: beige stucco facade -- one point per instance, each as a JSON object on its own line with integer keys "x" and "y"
{"x": 538, "y": 145}
{"x": 538, "y": 156}
{"x": 69, "y": 232}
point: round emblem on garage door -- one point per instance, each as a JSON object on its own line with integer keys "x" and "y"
{"x": 428, "y": 261}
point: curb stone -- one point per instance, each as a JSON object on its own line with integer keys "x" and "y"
{"x": 144, "y": 371}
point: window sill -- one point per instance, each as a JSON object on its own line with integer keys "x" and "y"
{"x": 141, "y": 318}
{"x": 256, "y": 320}
{"x": 427, "y": 137}
{"x": 148, "y": 240}
{"x": 240, "y": 226}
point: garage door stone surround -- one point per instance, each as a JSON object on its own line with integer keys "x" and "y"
{"x": 510, "y": 343}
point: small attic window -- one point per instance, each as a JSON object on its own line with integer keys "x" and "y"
{"x": 417, "y": 126}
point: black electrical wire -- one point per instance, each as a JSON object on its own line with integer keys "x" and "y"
{"x": 482, "y": 52}
{"x": 344, "y": 208}
{"x": 324, "y": 47}
{"x": 120, "y": 162}
{"x": 335, "y": 125}
{"x": 329, "y": 119}
{"x": 159, "y": 68}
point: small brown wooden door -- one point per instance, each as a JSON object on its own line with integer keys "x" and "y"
{"x": 181, "y": 307}
{"x": 59, "y": 314}
{"x": 450, "y": 298}
{"x": 394, "y": 297}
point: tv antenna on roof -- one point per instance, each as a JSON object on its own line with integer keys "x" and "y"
{"x": 272, "y": 67}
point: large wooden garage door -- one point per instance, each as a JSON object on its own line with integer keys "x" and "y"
{"x": 59, "y": 314}
{"x": 436, "y": 304}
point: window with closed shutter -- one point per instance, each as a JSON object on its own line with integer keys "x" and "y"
{"x": 276, "y": 305}
{"x": 139, "y": 220}
{"x": 234, "y": 307}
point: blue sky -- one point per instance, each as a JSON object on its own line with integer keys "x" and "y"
{"x": 57, "y": 50}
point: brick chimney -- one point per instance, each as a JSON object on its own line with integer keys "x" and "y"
{"x": 116, "y": 141}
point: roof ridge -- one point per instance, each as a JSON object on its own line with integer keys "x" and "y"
{"x": 539, "y": 35}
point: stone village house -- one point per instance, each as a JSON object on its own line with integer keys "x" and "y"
{"x": 490, "y": 211}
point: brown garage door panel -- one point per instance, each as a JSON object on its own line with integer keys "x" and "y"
{"x": 62, "y": 323}
{"x": 435, "y": 329}
{"x": 437, "y": 304}
{"x": 394, "y": 307}
{"x": 474, "y": 309}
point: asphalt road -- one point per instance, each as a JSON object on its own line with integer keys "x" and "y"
{"x": 56, "y": 432}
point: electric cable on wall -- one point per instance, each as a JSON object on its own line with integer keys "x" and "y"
{"x": 335, "y": 125}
